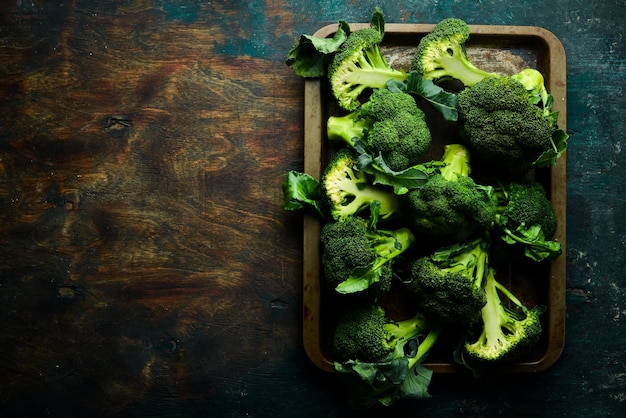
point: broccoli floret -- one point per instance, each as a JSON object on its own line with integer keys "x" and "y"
{"x": 503, "y": 333}
{"x": 447, "y": 284}
{"x": 526, "y": 203}
{"x": 388, "y": 123}
{"x": 349, "y": 192}
{"x": 359, "y": 66}
{"x": 364, "y": 333}
{"x": 441, "y": 54}
{"x": 525, "y": 216}
{"x": 354, "y": 254}
{"x": 450, "y": 206}
{"x": 502, "y": 126}
{"x": 381, "y": 358}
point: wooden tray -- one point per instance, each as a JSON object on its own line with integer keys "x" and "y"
{"x": 505, "y": 49}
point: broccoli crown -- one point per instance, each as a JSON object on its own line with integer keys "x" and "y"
{"x": 450, "y": 206}
{"x": 501, "y": 126}
{"x": 502, "y": 334}
{"x": 526, "y": 203}
{"x": 348, "y": 191}
{"x": 448, "y": 294}
{"x": 354, "y": 256}
{"x": 359, "y": 65}
{"x": 448, "y": 210}
{"x": 365, "y": 333}
{"x": 388, "y": 123}
{"x": 345, "y": 247}
{"x": 442, "y": 54}
{"x": 385, "y": 104}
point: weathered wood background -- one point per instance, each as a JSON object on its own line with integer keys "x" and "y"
{"x": 146, "y": 264}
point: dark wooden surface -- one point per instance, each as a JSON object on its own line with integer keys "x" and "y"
{"x": 147, "y": 267}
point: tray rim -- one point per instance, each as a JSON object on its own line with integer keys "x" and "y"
{"x": 313, "y": 123}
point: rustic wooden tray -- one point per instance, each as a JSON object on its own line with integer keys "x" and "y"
{"x": 504, "y": 49}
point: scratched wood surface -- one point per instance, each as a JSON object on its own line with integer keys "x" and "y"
{"x": 146, "y": 265}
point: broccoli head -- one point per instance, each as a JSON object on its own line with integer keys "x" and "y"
{"x": 450, "y": 206}
{"x": 447, "y": 284}
{"x": 355, "y": 256}
{"x": 502, "y": 126}
{"x": 365, "y": 333}
{"x": 526, "y": 203}
{"x": 359, "y": 66}
{"x": 380, "y": 357}
{"x": 348, "y": 191}
{"x": 525, "y": 216}
{"x": 441, "y": 54}
{"x": 503, "y": 333}
{"x": 388, "y": 123}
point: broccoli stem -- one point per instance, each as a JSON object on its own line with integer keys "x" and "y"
{"x": 492, "y": 312}
{"x": 425, "y": 346}
{"x": 389, "y": 246}
{"x": 462, "y": 69}
{"x": 364, "y": 194}
{"x": 407, "y": 327}
{"x": 457, "y": 162}
{"x": 370, "y": 77}
{"x": 497, "y": 285}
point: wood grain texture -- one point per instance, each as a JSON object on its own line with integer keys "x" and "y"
{"x": 144, "y": 241}
{"x": 147, "y": 267}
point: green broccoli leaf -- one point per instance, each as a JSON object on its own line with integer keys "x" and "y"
{"x": 551, "y": 156}
{"x": 360, "y": 279}
{"x": 378, "y": 20}
{"x": 440, "y": 99}
{"x": 302, "y": 192}
{"x": 414, "y": 386}
{"x": 401, "y": 181}
{"x": 535, "y": 245}
{"x": 372, "y": 383}
{"x": 310, "y": 55}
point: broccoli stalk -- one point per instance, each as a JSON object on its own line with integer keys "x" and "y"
{"x": 349, "y": 129}
{"x": 503, "y": 334}
{"x": 456, "y": 159}
{"x": 381, "y": 358}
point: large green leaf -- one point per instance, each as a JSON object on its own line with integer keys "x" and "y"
{"x": 310, "y": 55}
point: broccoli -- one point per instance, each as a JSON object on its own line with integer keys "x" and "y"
{"x": 526, "y": 216}
{"x": 450, "y": 206}
{"x": 359, "y": 65}
{"x": 507, "y": 120}
{"x": 503, "y": 127}
{"x": 349, "y": 192}
{"x": 354, "y": 254}
{"x": 447, "y": 284}
{"x": 388, "y": 123}
{"x": 364, "y": 333}
{"x": 503, "y": 333}
{"x": 441, "y": 54}
{"x": 382, "y": 356}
